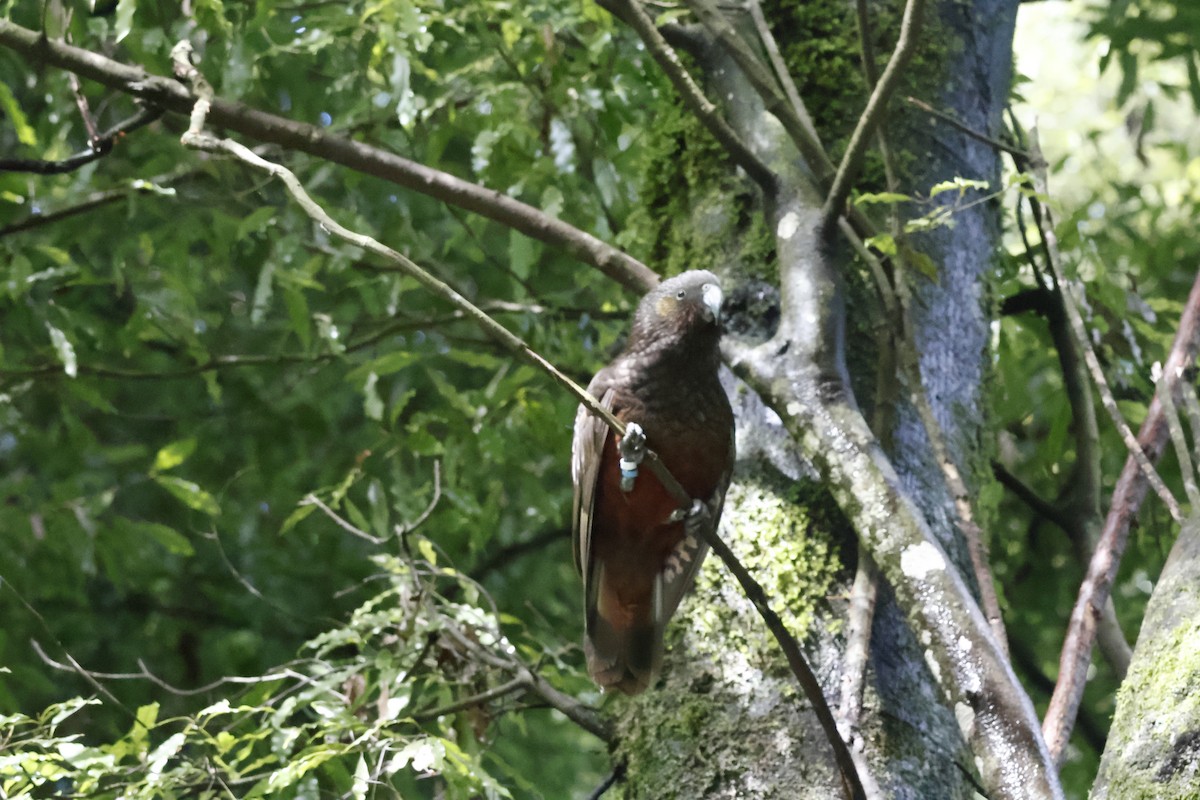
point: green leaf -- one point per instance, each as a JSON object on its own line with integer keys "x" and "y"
{"x": 262, "y": 293}
{"x": 1193, "y": 75}
{"x": 425, "y": 547}
{"x": 124, "y": 18}
{"x": 256, "y": 221}
{"x": 297, "y": 309}
{"x": 384, "y": 365}
{"x": 64, "y": 349}
{"x": 174, "y": 454}
{"x": 523, "y": 253}
{"x": 90, "y": 396}
{"x": 958, "y": 184}
{"x": 883, "y": 242}
{"x": 362, "y": 779}
{"x": 189, "y": 493}
{"x": 372, "y": 402}
{"x": 174, "y": 541}
{"x": 889, "y": 198}
{"x": 921, "y": 262}
{"x": 25, "y": 133}
{"x": 294, "y": 518}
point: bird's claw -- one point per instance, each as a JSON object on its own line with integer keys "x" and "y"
{"x": 692, "y": 516}
{"x": 633, "y": 449}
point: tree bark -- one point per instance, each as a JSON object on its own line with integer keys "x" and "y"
{"x": 1153, "y": 748}
{"x": 728, "y": 719}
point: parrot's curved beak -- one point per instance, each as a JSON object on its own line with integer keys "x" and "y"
{"x": 712, "y": 297}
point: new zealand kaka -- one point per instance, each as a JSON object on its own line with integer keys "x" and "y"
{"x": 636, "y": 549}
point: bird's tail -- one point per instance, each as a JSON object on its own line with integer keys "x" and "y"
{"x": 623, "y": 642}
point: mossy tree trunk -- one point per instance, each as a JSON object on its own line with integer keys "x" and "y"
{"x": 1153, "y": 749}
{"x": 728, "y": 719}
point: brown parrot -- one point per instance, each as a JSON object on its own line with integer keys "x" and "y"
{"x": 635, "y": 547}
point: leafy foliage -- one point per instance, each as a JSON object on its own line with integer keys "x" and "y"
{"x": 192, "y": 374}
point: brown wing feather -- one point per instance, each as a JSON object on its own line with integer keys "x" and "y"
{"x": 684, "y": 562}
{"x": 587, "y": 447}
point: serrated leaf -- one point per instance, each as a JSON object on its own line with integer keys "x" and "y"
{"x": 384, "y": 365}
{"x": 189, "y": 493}
{"x": 399, "y": 404}
{"x": 174, "y": 454}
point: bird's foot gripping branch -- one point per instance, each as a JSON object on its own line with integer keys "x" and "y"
{"x": 633, "y": 451}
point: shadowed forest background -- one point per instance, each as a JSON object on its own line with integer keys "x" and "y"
{"x": 277, "y": 519}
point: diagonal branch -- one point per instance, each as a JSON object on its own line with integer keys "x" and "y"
{"x": 1126, "y": 500}
{"x": 250, "y": 122}
{"x": 99, "y": 145}
{"x": 856, "y": 149}
{"x": 1071, "y": 306}
{"x": 196, "y": 138}
{"x": 795, "y": 121}
{"x": 667, "y": 59}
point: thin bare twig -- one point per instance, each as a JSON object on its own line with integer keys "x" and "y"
{"x": 858, "y": 638}
{"x": 856, "y": 148}
{"x": 1071, "y": 303}
{"x": 962, "y": 127}
{"x": 1126, "y": 499}
{"x": 404, "y": 530}
{"x": 708, "y": 114}
{"x": 516, "y": 684}
{"x": 1179, "y": 440}
{"x": 781, "y": 70}
{"x": 852, "y": 783}
{"x": 99, "y": 145}
{"x": 799, "y": 126}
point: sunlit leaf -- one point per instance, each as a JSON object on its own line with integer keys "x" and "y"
{"x": 174, "y": 454}
{"x": 16, "y": 117}
{"x": 64, "y": 350}
{"x": 189, "y": 493}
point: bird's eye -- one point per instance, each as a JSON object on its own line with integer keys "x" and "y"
{"x": 682, "y": 293}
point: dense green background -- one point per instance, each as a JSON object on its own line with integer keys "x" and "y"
{"x": 188, "y": 359}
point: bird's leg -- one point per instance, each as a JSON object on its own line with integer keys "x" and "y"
{"x": 692, "y": 517}
{"x": 633, "y": 449}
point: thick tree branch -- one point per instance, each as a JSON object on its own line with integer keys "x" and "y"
{"x": 1123, "y": 507}
{"x": 999, "y": 722}
{"x": 172, "y": 96}
{"x": 801, "y": 375}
